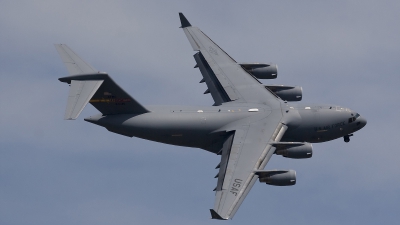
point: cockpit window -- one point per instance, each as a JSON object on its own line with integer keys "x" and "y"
{"x": 352, "y": 119}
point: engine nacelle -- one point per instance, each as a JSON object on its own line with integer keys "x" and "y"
{"x": 287, "y": 93}
{"x": 277, "y": 177}
{"x": 294, "y": 150}
{"x": 262, "y": 70}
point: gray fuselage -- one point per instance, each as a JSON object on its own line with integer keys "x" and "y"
{"x": 206, "y": 126}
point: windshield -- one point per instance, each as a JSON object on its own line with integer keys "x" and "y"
{"x": 352, "y": 119}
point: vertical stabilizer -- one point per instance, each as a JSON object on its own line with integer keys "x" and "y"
{"x": 90, "y": 86}
{"x": 75, "y": 65}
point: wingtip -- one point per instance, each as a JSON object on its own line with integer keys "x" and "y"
{"x": 215, "y": 215}
{"x": 184, "y": 21}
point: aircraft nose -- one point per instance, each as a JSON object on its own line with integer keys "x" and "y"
{"x": 362, "y": 121}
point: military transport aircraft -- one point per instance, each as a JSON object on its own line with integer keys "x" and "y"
{"x": 248, "y": 123}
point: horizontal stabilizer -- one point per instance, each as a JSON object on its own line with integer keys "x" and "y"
{"x": 79, "y": 95}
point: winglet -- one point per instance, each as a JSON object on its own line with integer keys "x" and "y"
{"x": 215, "y": 215}
{"x": 184, "y": 21}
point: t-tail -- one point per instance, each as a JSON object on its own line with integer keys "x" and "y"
{"x": 91, "y": 86}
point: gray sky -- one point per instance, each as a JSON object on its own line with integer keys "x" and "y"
{"x": 71, "y": 172}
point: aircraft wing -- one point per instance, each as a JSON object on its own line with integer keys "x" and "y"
{"x": 226, "y": 79}
{"x": 243, "y": 154}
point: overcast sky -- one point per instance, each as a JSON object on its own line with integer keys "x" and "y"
{"x": 61, "y": 172}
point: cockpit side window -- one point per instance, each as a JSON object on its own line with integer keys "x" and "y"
{"x": 352, "y": 119}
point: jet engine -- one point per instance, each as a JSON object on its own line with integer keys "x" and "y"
{"x": 261, "y": 70}
{"x": 287, "y": 93}
{"x": 277, "y": 177}
{"x": 294, "y": 150}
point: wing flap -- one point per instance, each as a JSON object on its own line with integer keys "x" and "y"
{"x": 225, "y": 153}
{"x": 214, "y": 86}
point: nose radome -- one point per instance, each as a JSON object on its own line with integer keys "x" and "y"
{"x": 363, "y": 121}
